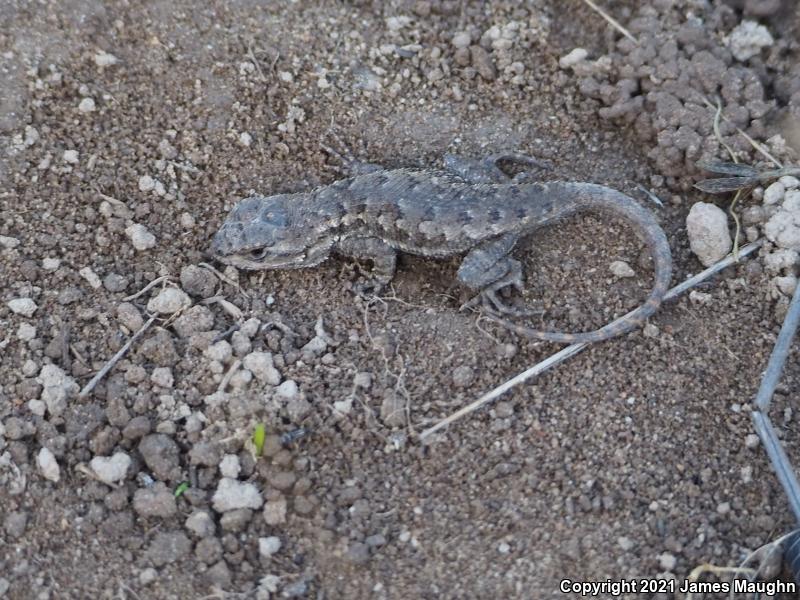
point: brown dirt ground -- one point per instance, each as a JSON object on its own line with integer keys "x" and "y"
{"x": 640, "y": 438}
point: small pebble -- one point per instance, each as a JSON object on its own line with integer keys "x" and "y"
{"x": 86, "y": 105}
{"x": 91, "y": 277}
{"x": 111, "y": 469}
{"x": 200, "y": 523}
{"x": 267, "y": 546}
{"x": 462, "y": 39}
{"x": 129, "y": 316}
{"x": 620, "y": 268}
{"x": 48, "y": 465}
{"x": 572, "y": 58}
{"x": 463, "y": 376}
{"x": 70, "y": 156}
{"x": 262, "y": 366}
{"x": 168, "y": 301}
{"x": 709, "y": 236}
{"x": 774, "y": 193}
{"x": 162, "y": 376}
{"x": 232, "y": 494}
{"x": 22, "y": 306}
{"x": 667, "y": 561}
{"x": 146, "y": 183}
{"x": 104, "y": 59}
{"x": 229, "y": 466}
{"x": 140, "y": 237}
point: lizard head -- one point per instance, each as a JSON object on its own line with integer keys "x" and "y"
{"x": 270, "y": 233}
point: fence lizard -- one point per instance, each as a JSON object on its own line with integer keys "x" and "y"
{"x": 469, "y": 207}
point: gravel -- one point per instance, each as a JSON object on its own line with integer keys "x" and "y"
{"x": 709, "y": 237}
{"x": 22, "y": 306}
{"x": 155, "y": 501}
{"x": 111, "y": 469}
{"x": 48, "y": 466}
{"x": 161, "y": 455}
{"x": 232, "y": 495}
{"x": 168, "y": 301}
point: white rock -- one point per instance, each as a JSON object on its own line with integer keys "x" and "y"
{"x": 245, "y": 139}
{"x": 168, "y": 301}
{"x": 146, "y": 183}
{"x": 709, "y": 237}
{"x": 162, "y": 376}
{"x": 51, "y": 264}
{"x": 37, "y": 407}
{"x": 267, "y": 546}
{"x": 86, "y": 105}
{"x": 462, "y": 39}
{"x": 229, "y": 466}
{"x": 91, "y": 277}
{"x": 287, "y": 390}
{"x": 232, "y": 495}
{"x": 747, "y": 40}
{"x": 22, "y": 306}
{"x": 774, "y": 193}
{"x": 783, "y": 228}
{"x": 620, "y": 268}
{"x": 667, "y": 561}
{"x": 200, "y": 523}
{"x": 789, "y": 182}
{"x": 70, "y": 156}
{"x": 48, "y": 465}
{"x": 275, "y": 511}
{"x": 8, "y": 242}
{"x": 140, "y": 237}
{"x": 104, "y": 59}
{"x": 187, "y": 220}
{"x": 397, "y": 23}
{"x": 30, "y": 368}
{"x": 791, "y": 201}
{"x": 26, "y": 332}
{"x": 110, "y": 469}
{"x": 31, "y": 135}
{"x": 781, "y": 259}
{"x": 261, "y": 365}
{"x": 700, "y": 297}
{"x": 573, "y": 58}
{"x": 221, "y": 352}
{"x": 57, "y": 388}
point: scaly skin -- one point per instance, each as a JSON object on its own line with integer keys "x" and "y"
{"x": 434, "y": 213}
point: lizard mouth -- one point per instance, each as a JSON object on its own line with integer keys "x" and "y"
{"x": 310, "y": 257}
{"x": 274, "y": 261}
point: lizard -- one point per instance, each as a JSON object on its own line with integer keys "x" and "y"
{"x": 469, "y": 207}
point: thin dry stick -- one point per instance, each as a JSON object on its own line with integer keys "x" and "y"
{"x": 574, "y": 349}
{"x": 614, "y": 23}
{"x": 114, "y": 359}
{"x": 227, "y": 378}
{"x": 753, "y": 143}
{"x": 155, "y": 282}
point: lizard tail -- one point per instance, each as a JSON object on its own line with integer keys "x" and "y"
{"x": 585, "y": 196}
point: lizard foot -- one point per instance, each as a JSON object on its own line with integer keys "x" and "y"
{"x": 490, "y": 300}
{"x": 349, "y": 165}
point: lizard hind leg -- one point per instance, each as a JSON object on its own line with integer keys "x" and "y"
{"x": 487, "y": 269}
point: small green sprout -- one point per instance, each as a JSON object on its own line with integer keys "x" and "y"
{"x": 259, "y": 435}
{"x": 182, "y": 487}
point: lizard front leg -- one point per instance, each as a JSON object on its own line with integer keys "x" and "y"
{"x": 382, "y": 255}
{"x": 488, "y": 268}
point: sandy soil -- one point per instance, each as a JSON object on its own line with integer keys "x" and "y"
{"x": 634, "y": 459}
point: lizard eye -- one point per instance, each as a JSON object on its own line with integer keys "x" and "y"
{"x": 258, "y": 253}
